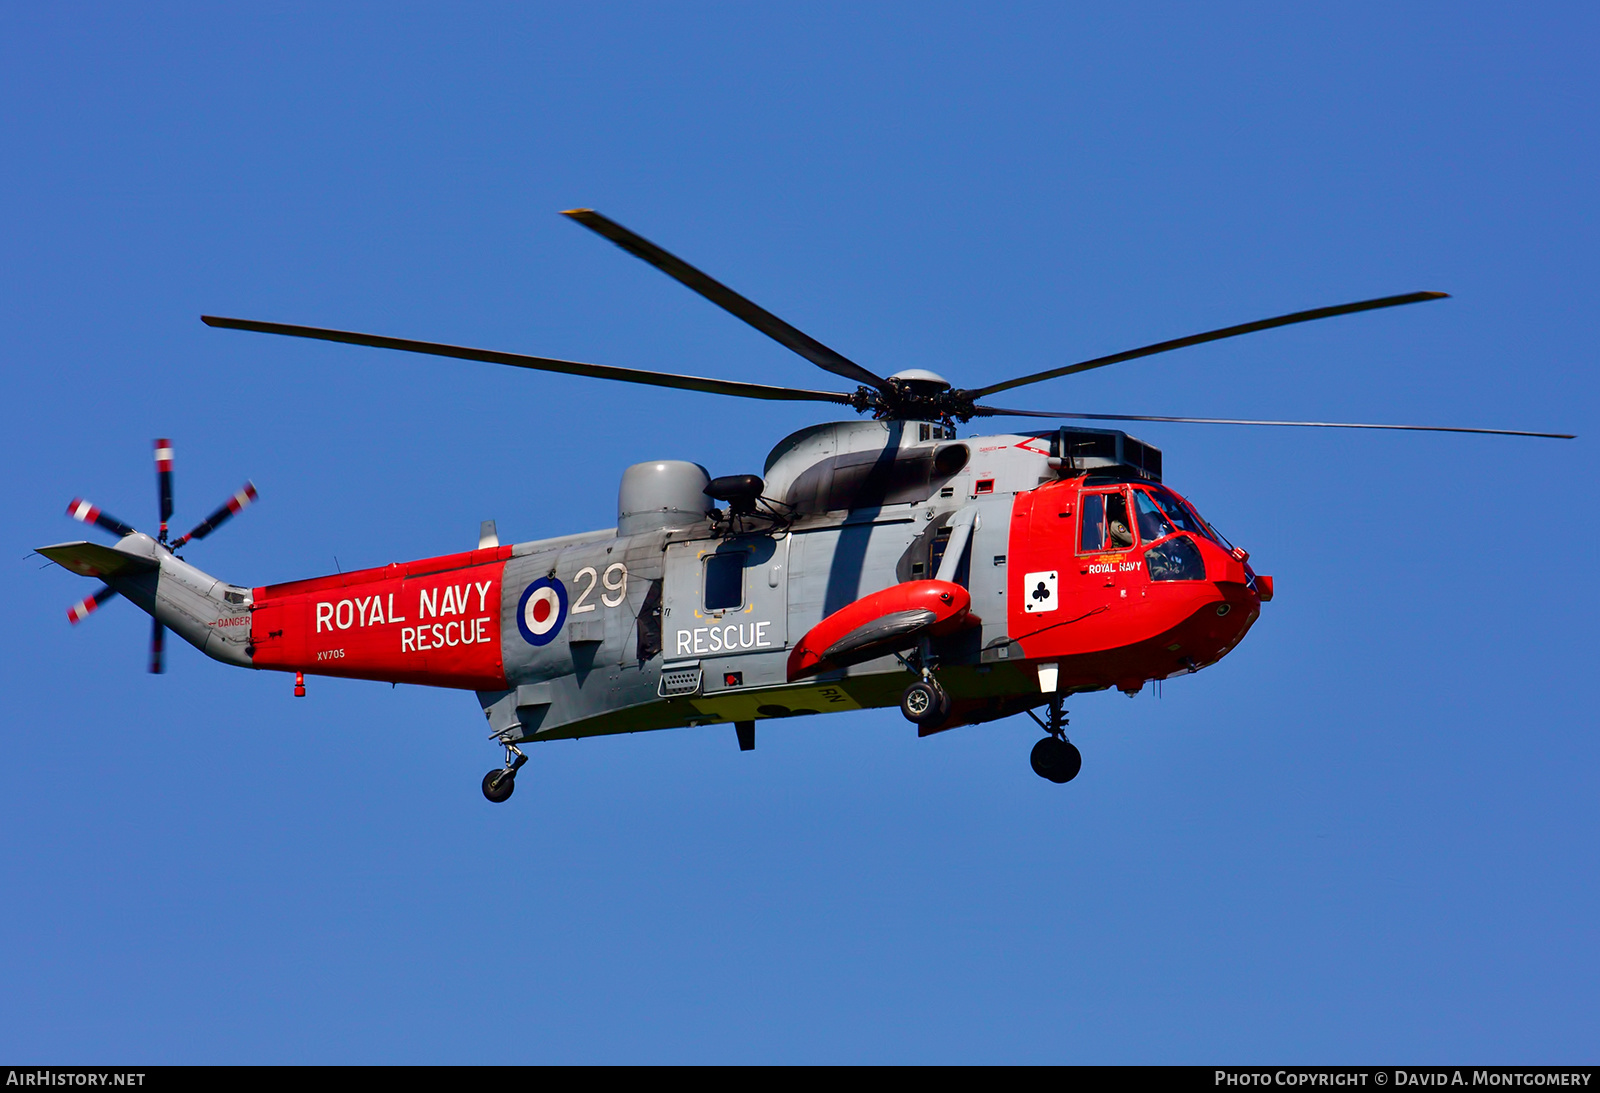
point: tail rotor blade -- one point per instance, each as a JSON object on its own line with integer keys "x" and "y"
{"x": 164, "y": 482}
{"x": 238, "y": 501}
{"x": 158, "y": 647}
{"x": 90, "y": 603}
{"x": 83, "y": 511}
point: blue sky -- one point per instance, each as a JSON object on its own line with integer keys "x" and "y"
{"x": 1368, "y": 834}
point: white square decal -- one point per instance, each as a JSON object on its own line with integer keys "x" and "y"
{"x": 1039, "y": 592}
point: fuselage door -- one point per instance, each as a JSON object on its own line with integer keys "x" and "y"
{"x": 1105, "y": 565}
{"x": 725, "y": 597}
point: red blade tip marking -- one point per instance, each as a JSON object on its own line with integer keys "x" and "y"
{"x": 243, "y": 497}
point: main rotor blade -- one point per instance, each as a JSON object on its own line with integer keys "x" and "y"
{"x": 729, "y": 300}
{"x": 996, "y": 411}
{"x": 240, "y": 500}
{"x": 84, "y": 512}
{"x": 90, "y": 603}
{"x": 541, "y": 364}
{"x": 1212, "y": 336}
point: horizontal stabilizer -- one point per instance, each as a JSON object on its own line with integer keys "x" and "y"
{"x": 94, "y": 560}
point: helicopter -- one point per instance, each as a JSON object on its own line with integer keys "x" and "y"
{"x": 874, "y": 562}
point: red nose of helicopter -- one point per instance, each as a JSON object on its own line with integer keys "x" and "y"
{"x": 1121, "y": 582}
{"x": 1223, "y": 610}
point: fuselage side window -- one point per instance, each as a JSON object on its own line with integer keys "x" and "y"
{"x": 1105, "y": 523}
{"x": 725, "y": 581}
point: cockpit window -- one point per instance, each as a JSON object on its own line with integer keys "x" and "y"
{"x": 1175, "y": 560}
{"x": 1117, "y": 524}
{"x": 1105, "y": 523}
{"x": 1152, "y": 524}
{"x": 1094, "y": 518}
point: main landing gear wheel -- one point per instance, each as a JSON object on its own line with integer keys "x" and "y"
{"x": 925, "y": 703}
{"x": 498, "y": 785}
{"x": 1056, "y": 759}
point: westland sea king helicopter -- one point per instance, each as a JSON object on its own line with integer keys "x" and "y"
{"x": 872, "y": 563}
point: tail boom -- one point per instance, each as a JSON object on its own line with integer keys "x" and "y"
{"x": 436, "y": 621}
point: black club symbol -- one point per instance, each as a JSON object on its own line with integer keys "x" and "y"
{"x": 1041, "y": 593}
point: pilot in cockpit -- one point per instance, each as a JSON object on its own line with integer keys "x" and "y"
{"x": 1120, "y": 538}
{"x": 1153, "y": 523}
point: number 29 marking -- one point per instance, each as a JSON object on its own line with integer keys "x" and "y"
{"x": 615, "y": 581}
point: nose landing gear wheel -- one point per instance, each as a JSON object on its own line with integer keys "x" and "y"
{"x": 1056, "y": 760}
{"x": 924, "y": 703}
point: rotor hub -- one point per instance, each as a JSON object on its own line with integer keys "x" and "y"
{"x": 915, "y": 394}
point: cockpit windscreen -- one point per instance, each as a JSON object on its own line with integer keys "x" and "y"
{"x": 1152, "y": 524}
{"x": 1181, "y": 514}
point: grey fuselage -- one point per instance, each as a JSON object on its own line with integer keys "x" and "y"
{"x": 642, "y": 647}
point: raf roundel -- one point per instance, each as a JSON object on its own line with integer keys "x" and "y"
{"x": 542, "y": 610}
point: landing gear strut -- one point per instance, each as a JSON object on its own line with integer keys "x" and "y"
{"x": 499, "y": 784}
{"x": 1055, "y": 758}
